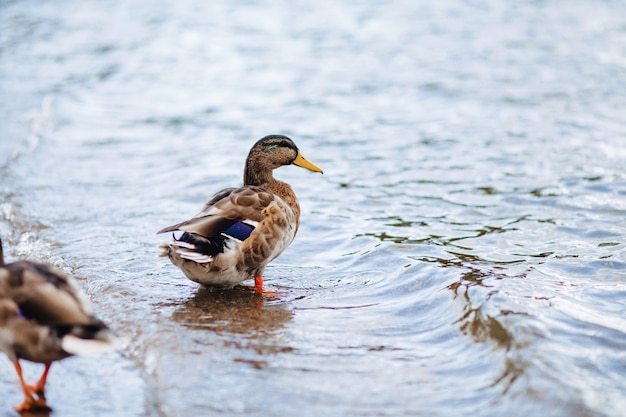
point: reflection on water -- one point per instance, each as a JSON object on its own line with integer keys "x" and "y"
{"x": 36, "y": 414}
{"x": 240, "y": 310}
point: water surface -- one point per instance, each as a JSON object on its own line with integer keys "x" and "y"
{"x": 464, "y": 253}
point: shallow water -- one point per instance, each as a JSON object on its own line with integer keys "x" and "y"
{"x": 464, "y": 253}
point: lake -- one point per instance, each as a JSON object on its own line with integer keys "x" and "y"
{"x": 464, "y": 252}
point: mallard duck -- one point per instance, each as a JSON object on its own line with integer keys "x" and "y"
{"x": 44, "y": 318}
{"x": 240, "y": 230}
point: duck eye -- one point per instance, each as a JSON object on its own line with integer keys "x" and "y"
{"x": 267, "y": 148}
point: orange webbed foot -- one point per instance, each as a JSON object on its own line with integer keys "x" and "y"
{"x": 33, "y": 405}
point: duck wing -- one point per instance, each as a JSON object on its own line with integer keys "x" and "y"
{"x": 229, "y": 206}
{"x": 45, "y": 295}
{"x": 233, "y": 214}
{"x": 34, "y": 297}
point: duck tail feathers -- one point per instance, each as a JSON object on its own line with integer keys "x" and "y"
{"x": 77, "y": 346}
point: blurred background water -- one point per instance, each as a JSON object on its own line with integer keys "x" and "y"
{"x": 464, "y": 253}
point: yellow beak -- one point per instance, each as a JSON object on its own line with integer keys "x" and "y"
{"x": 302, "y": 162}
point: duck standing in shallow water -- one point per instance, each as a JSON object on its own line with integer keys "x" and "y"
{"x": 240, "y": 230}
{"x": 44, "y": 318}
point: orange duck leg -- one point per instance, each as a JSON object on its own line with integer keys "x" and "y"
{"x": 34, "y": 398}
{"x": 258, "y": 287}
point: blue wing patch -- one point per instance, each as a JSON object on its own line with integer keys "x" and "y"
{"x": 239, "y": 231}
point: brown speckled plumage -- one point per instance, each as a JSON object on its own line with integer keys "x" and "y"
{"x": 208, "y": 255}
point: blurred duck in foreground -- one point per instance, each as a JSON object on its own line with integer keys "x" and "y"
{"x": 240, "y": 230}
{"x": 44, "y": 318}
